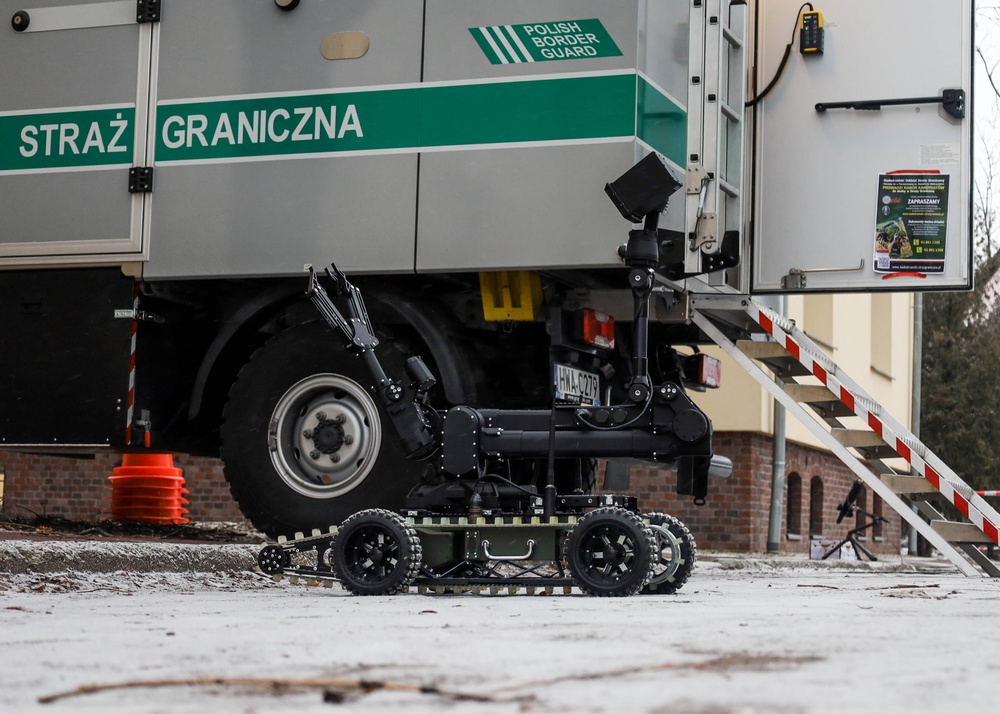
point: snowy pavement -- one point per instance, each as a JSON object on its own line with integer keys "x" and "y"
{"x": 744, "y": 635}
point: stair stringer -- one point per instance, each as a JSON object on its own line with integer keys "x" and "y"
{"x": 825, "y": 437}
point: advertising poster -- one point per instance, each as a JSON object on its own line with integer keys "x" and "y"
{"x": 911, "y": 223}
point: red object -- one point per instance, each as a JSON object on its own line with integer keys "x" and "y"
{"x": 598, "y": 329}
{"x": 147, "y": 488}
{"x": 709, "y": 371}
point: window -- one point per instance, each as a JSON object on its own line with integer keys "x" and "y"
{"x": 793, "y": 510}
{"x": 877, "y": 509}
{"x": 815, "y": 506}
{"x": 859, "y": 515}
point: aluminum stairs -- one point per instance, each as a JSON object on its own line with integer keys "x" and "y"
{"x": 821, "y": 396}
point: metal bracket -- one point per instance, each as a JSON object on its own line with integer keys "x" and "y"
{"x": 695, "y": 179}
{"x": 796, "y": 278}
{"x": 140, "y": 179}
{"x": 147, "y": 11}
{"x": 706, "y": 231}
{"x": 953, "y": 101}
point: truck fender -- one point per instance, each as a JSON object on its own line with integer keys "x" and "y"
{"x": 261, "y": 305}
{"x": 460, "y": 373}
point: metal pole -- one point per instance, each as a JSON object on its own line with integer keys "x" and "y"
{"x": 918, "y": 359}
{"x": 777, "y": 465}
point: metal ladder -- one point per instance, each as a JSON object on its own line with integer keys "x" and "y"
{"x": 715, "y": 127}
{"x": 808, "y": 378}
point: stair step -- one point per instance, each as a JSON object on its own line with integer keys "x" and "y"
{"x": 774, "y": 356}
{"x": 809, "y": 393}
{"x": 905, "y": 485}
{"x": 858, "y": 438}
{"x": 960, "y": 532}
{"x": 821, "y": 399}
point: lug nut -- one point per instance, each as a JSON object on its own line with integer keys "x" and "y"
{"x": 314, "y": 454}
{"x": 308, "y": 433}
{"x": 340, "y": 418}
{"x": 348, "y": 438}
{"x": 334, "y": 458}
{"x": 321, "y": 416}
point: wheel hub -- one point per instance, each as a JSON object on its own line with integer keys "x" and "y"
{"x": 325, "y": 436}
{"x": 614, "y": 554}
{"x": 328, "y": 436}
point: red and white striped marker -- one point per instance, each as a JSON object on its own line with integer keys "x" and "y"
{"x": 865, "y": 408}
{"x": 131, "y": 367}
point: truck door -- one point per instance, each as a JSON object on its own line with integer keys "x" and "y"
{"x": 862, "y": 152}
{"x": 281, "y": 137}
{"x": 73, "y": 98}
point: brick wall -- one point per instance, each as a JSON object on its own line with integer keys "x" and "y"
{"x": 77, "y": 488}
{"x": 734, "y": 519}
{"x": 736, "y": 514}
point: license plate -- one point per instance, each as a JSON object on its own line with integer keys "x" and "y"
{"x": 577, "y": 386}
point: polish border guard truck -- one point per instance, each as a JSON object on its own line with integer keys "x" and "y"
{"x": 169, "y": 168}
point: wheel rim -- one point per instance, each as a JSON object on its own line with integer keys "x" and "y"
{"x": 609, "y": 553}
{"x": 371, "y": 554}
{"x": 668, "y": 554}
{"x": 324, "y": 436}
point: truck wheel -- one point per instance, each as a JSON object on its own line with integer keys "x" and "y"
{"x": 304, "y": 443}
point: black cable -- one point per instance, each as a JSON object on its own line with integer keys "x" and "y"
{"x": 784, "y": 60}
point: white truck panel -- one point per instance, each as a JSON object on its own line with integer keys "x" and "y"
{"x": 818, "y": 172}
{"x": 72, "y": 123}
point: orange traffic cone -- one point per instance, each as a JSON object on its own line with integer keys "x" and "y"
{"x": 147, "y": 488}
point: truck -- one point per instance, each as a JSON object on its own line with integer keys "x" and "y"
{"x": 170, "y": 168}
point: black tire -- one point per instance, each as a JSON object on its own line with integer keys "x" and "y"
{"x": 297, "y": 376}
{"x": 610, "y": 553}
{"x": 676, "y": 554}
{"x": 376, "y": 553}
{"x": 273, "y": 559}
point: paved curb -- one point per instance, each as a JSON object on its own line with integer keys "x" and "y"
{"x": 34, "y": 556}
{"x": 95, "y": 556}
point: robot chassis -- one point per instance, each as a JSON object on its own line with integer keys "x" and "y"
{"x": 479, "y": 531}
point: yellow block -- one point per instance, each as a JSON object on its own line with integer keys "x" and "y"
{"x": 510, "y": 295}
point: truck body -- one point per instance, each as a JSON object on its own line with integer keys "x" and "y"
{"x": 168, "y": 169}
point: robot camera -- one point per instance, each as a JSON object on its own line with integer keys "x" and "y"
{"x": 643, "y": 189}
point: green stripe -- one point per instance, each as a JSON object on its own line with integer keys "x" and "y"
{"x": 479, "y": 34}
{"x": 499, "y": 37}
{"x": 661, "y": 123}
{"x": 402, "y": 119}
{"x": 410, "y": 118}
{"x": 67, "y": 139}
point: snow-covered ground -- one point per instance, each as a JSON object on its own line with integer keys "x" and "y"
{"x": 753, "y": 635}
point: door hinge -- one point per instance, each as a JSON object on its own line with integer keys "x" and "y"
{"x": 140, "y": 179}
{"x": 147, "y": 11}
